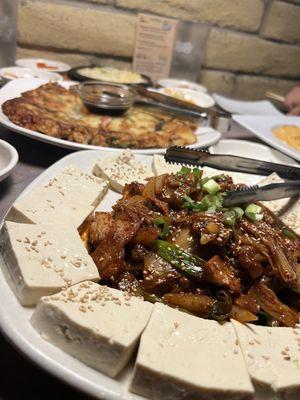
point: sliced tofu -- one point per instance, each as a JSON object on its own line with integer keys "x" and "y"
{"x": 288, "y": 210}
{"x": 122, "y": 169}
{"x": 160, "y": 166}
{"x": 70, "y": 197}
{"x": 185, "y": 357}
{"x": 272, "y": 356}
{"x": 42, "y": 259}
{"x": 98, "y": 325}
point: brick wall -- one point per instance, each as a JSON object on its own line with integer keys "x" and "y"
{"x": 252, "y": 46}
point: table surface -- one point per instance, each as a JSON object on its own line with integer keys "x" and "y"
{"x": 23, "y": 379}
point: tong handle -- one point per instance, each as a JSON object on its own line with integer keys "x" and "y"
{"x": 273, "y": 191}
{"x": 250, "y": 166}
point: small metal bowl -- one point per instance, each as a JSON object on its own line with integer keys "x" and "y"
{"x": 106, "y": 97}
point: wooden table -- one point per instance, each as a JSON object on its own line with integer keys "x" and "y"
{"x": 21, "y": 379}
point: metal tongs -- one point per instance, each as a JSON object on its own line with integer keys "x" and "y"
{"x": 216, "y": 118}
{"x": 255, "y": 193}
{"x": 196, "y": 157}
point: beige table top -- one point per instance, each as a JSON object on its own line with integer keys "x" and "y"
{"x": 24, "y": 380}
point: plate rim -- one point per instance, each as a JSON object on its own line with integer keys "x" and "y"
{"x": 56, "y": 75}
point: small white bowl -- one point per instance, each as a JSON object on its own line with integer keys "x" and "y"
{"x": 8, "y": 159}
{"x": 198, "y": 98}
{"x": 11, "y": 73}
{"x": 182, "y": 84}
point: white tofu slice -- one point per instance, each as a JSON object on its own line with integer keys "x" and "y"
{"x": 185, "y": 357}
{"x": 160, "y": 166}
{"x": 121, "y": 169}
{"x": 42, "y": 259}
{"x": 272, "y": 356}
{"x": 288, "y": 210}
{"x": 69, "y": 197}
{"x": 98, "y": 325}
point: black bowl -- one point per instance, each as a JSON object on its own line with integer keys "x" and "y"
{"x": 76, "y": 76}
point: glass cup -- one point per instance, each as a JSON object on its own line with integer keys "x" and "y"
{"x": 8, "y": 32}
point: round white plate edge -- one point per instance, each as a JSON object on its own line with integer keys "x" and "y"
{"x": 207, "y": 135}
{"x": 4, "y": 173}
{"x": 58, "y": 77}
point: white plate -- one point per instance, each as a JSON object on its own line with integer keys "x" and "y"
{"x": 199, "y": 98}
{"x": 16, "y": 326}
{"x": 181, "y": 83}
{"x": 12, "y": 73}
{"x": 205, "y": 136}
{"x": 8, "y": 159}
{"x": 262, "y": 127}
{"x": 32, "y": 63}
{"x": 263, "y": 107}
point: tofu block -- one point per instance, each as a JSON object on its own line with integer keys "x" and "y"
{"x": 42, "y": 259}
{"x": 98, "y": 325}
{"x": 121, "y": 169}
{"x": 288, "y": 210}
{"x": 272, "y": 355}
{"x": 70, "y": 197}
{"x": 160, "y": 166}
{"x": 185, "y": 357}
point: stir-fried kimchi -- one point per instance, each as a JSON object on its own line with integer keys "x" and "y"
{"x": 172, "y": 241}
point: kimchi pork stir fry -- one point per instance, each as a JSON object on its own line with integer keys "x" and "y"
{"x": 172, "y": 241}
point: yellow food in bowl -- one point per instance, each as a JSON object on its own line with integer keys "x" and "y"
{"x": 178, "y": 95}
{"x": 289, "y": 134}
{"x": 110, "y": 74}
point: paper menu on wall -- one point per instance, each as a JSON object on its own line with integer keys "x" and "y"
{"x": 154, "y": 45}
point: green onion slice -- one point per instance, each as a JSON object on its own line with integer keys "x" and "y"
{"x": 211, "y": 186}
{"x": 160, "y": 221}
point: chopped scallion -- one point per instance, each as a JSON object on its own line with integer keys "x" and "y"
{"x": 289, "y": 234}
{"x": 185, "y": 171}
{"x": 239, "y": 212}
{"x": 209, "y": 203}
{"x": 211, "y": 186}
{"x": 229, "y": 217}
{"x": 253, "y": 208}
{"x": 179, "y": 258}
{"x": 254, "y": 212}
{"x": 160, "y": 221}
